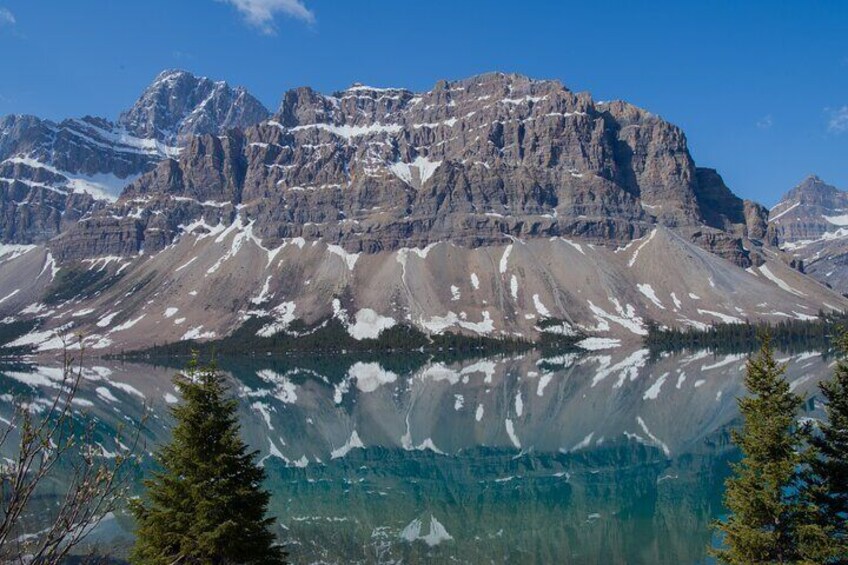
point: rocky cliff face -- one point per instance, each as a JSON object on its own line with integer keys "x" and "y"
{"x": 54, "y": 174}
{"x": 473, "y": 162}
{"x": 811, "y": 222}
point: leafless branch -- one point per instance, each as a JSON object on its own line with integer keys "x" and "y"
{"x": 97, "y": 483}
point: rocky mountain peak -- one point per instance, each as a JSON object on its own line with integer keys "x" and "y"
{"x": 812, "y": 196}
{"x": 178, "y": 104}
{"x": 810, "y": 221}
{"x": 510, "y": 82}
{"x": 54, "y": 173}
{"x": 814, "y": 191}
{"x": 361, "y": 104}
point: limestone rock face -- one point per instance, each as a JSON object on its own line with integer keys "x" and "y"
{"x": 756, "y": 222}
{"x": 473, "y": 162}
{"x": 718, "y": 206}
{"x": 811, "y": 223}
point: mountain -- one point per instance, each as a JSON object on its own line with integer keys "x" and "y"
{"x": 471, "y": 162}
{"x": 811, "y": 223}
{"x": 179, "y": 104}
{"x": 54, "y": 174}
{"x": 496, "y": 205}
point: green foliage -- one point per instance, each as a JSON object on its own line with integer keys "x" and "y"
{"x": 80, "y": 281}
{"x": 76, "y": 281}
{"x": 828, "y": 477}
{"x": 790, "y": 336}
{"x": 206, "y": 504}
{"x": 551, "y": 341}
{"x": 12, "y": 331}
{"x": 771, "y": 519}
{"x": 331, "y": 336}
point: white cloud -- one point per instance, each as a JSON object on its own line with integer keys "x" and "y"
{"x": 261, "y": 13}
{"x": 765, "y": 122}
{"x": 182, "y": 55}
{"x": 7, "y": 17}
{"x": 838, "y": 122}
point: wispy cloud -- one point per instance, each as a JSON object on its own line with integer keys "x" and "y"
{"x": 838, "y": 120}
{"x": 765, "y": 122}
{"x": 182, "y": 55}
{"x": 7, "y": 18}
{"x": 261, "y": 13}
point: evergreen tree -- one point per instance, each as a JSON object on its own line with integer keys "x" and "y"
{"x": 828, "y": 481}
{"x": 206, "y": 504}
{"x": 769, "y": 521}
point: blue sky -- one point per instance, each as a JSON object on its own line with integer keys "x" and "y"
{"x": 760, "y": 88}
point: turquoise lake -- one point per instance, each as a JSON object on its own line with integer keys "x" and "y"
{"x": 603, "y": 457}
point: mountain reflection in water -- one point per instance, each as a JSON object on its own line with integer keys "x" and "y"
{"x": 610, "y": 457}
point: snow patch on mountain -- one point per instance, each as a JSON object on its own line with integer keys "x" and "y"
{"x": 369, "y": 324}
{"x": 420, "y": 166}
{"x": 648, "y": 291}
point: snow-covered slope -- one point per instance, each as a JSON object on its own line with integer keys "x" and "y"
{"x": 214, "y": 279}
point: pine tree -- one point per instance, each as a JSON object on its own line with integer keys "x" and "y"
{"x": 769, "y": 521}
{"x": 206, "y": 504}
{"x": 828, "y": 482}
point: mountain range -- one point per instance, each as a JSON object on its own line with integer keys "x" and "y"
{"x": 495, "y": 205}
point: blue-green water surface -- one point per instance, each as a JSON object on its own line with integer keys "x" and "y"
{"x": 603, "y": 457}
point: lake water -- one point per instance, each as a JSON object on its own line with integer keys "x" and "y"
{"x": 611, "y": 457}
